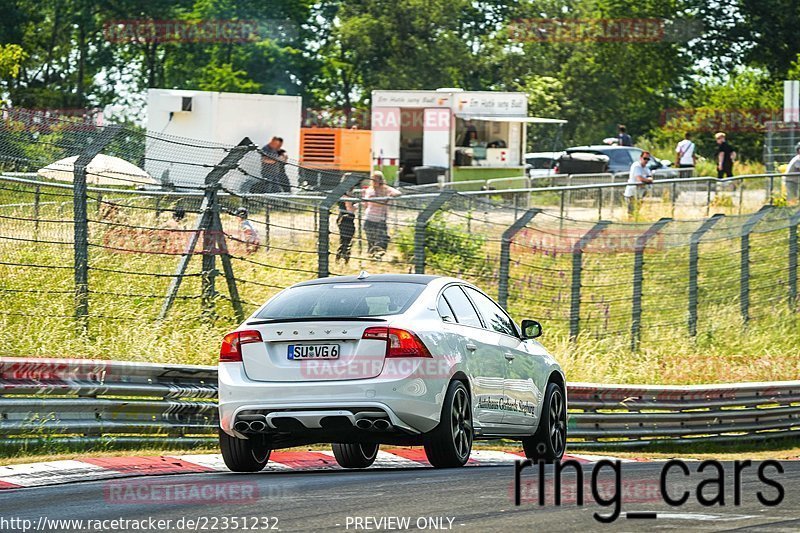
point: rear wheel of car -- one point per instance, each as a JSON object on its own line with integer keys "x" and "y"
{"x": 355, "y": 455}
{"x": 549, "y": 442}
{"x": 450, "y": 444}
{"x": 243, "y": 455}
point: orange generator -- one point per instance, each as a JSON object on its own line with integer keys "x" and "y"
{"x": 327, "y": 152}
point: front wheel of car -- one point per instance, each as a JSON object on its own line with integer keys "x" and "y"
{"x": 355, "y": 455}
{"x": 243, "y": 455}
{"x": 450, "y": 444}
{"x": 549, "y": 442}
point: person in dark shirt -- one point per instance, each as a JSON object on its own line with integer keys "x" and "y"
{"x": 726, "y": 155}
{"x": 346, "y": 221}
{"x": 270, "y": 166}
{"x": 623, "y": 139}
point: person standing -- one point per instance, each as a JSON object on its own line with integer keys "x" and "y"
{"x": 282, "y": 180}
{"x": 793, "y": 182}
{"x": 248, "y": 233}
{"x": 375, "y": 214}
{"x": 726, "y": 155}
{"x": 686, "y": 157}
{"x": 638, "y": 179}
{"x": 623, "y": 139}
{"x": 270, "y": 161}
{"x": 346, "y": 221}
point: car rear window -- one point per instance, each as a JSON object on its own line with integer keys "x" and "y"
{"x": 540, "y": 163}
{"x": 342, "y": 300}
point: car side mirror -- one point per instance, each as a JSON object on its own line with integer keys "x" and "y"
{"x": 531, "y": 329}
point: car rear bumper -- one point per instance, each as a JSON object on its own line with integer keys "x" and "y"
{"x": 412, "y": 402}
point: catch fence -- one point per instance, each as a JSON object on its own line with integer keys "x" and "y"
{"x": 112, "y": 250}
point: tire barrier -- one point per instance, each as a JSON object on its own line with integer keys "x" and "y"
{"x": 91, "y": 402}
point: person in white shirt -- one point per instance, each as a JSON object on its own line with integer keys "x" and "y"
{"x": 793, "y": 182}
{"x": 638, "y": 179}
{"x": 375, "y": 214}
{"x": 686, "y": 156}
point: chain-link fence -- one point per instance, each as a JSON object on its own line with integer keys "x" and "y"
{"x": 220, "y": 231}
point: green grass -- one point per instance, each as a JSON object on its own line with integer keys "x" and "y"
{"x": 35, "y": 321}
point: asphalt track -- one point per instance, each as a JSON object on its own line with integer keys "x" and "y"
{"x": 476, "y": 499}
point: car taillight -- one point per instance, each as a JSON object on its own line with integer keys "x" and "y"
{"x": 400, "y": 342}
{"x": 230, "y": 351}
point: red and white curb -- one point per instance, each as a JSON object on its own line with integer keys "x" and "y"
{"x": 100, "y": 468}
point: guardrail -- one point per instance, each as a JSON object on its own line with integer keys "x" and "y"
{"x": 87, "y": 401}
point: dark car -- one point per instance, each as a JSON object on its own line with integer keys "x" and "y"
{"x": 620, "y": 158}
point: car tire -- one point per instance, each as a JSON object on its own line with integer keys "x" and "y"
{"x": 243, "y": 455}
{"x": 355, "y": 455}
{"x": 449, "y": 445}
{"x": 549, "y": 442}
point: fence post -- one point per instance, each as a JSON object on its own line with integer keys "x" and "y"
{"x": 694, "y": 243}
{"x": 36, "y": 200}
{"x": 206, "y": 224}
{"x": 81, "y": 224}
{"x": 638, "y": 268}
{"x": 744, "y": 278}
{"x": 577, "y": 267}
{"x": 674, "y": 194}
{"x": 266, "y": 223}
{"x": 600, "y": 203}
{"x": 505, "y": 253}
{"x": 793, "y": 222}
{"x": 323, "y": 243}
{"x": 422, "y": 224}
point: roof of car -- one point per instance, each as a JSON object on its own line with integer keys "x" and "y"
{"x": 601, "y": 147}
{"x": 422, "y": 279}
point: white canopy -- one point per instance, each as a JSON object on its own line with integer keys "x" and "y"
{"x": 102, "y": 170}
{"x": 499, "y": 118}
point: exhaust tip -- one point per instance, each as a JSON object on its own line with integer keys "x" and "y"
{"x": 241, "y": 426}
{"x": 258, "y": 425}
{"x": 363, "y": 423}
{"x": 381, "y": 424}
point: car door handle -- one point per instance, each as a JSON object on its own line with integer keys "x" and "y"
{"x": 509, "y": 356}
{"x": 471, "y": 347}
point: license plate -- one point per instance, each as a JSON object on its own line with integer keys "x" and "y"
{"x": 313, "y": 351}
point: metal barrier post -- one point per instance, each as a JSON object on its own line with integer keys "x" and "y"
{"x": 708, "y": 197}
{"x": 323, "y": 242}
{"x": 793, "y": 222}
{"x": 577, "y": 267}
{"x": 505, "y": 253}
{"x": 421, "y": 225}
{"x": 638, "y": 267}
{"x": 744, "y": 279}
{"x": 694, "y": 243}
{"x": 266, "y": 224}
{"x": 81, "y": 224}
{"x": 770, "y": 190}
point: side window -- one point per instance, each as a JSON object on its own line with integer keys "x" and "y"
{"x": 495, "y": 318}
{"x": 620, "y": 157}
{"x": 461, "y": 306}
{"x": 444, "y": 310}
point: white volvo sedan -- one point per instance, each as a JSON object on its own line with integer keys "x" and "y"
{"x": 403, "y": 359}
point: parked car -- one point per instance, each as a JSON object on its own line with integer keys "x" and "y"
{"x": 540, "y": 164}
{"x": 581, "y": 163}
{"x": 403, "y": 359}
{"x": 620, "y": 159}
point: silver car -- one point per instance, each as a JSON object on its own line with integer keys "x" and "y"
{"x": 401, "y": 359}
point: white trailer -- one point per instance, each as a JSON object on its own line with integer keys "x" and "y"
{"x": 212, "y": 119}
